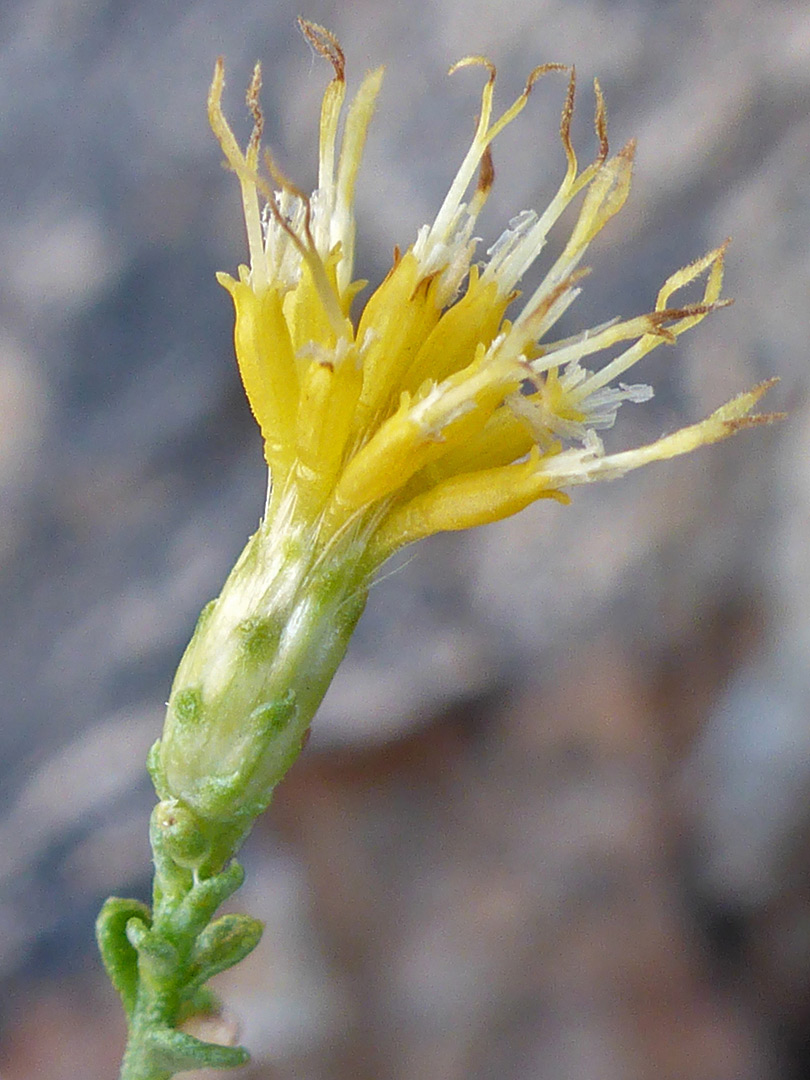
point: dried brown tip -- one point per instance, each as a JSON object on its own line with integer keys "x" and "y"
{"x": 600, "y": 123}
{"x": 486, "y": 174}
{"x": 670, "y": 315}
{"x": 325, "y": 43}
{"x": 757, "y": 420}
{"x": 688, "y": 310}
{"x": 543, "y": 69}
{"x": 252, "y": 100}
{"x": 762, "y": 388}
{"x": 628, "y": 151}
{"x": 219, "y": 71}
{"x": 568, "y": 109}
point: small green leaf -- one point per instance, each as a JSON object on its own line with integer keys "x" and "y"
{"x": 198, "y": 906}
{"x": 175, "y": 1051}
{"x": 117, "y": 952}
{"x": 158, "y": 958}
{"x": 223, "y": 944}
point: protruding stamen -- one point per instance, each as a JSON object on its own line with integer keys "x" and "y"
{"x": 473, "y": 61}
{"x": 449, "y": 208}
{"x": 238, "y": 162}
{"x": 684, "y": 318}
{"x": 582, "y": 466}
{"x": 565, "y": 127}
{"x": 518, "y": 105}
{"x": 512, "y": 262}
{"x": 600, "y": 126}
{"x": 585, "y": 391}
{"x": 327, "y": 45}
{"x": 306, "y": 245}
{"x": 253, "y": 103}
{"x": 604, "y": 199}
{"x": 447, "y": 215}
{"x": 600, "y": 123}
{"x": 537, "y": 316}
{"x": 324, "y": 43}
{"x": 714, "y": 259}
{"x": 358, "y": 119}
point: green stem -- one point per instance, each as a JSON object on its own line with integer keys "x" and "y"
{"x": 159, "y": 961}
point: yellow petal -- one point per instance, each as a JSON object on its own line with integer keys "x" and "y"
{"x": 605, "y": 197}
{"x": 462, "y": 502}
{"x": 267, "y": 366}
{"x": 395, "y": 322}
{"x": 581, "y": 466}
{"x": 330, "y": 387}
{"x": 452, "y": 342}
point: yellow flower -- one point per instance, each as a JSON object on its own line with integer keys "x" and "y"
{"x": 433, "y": 410}
{"x": 430, "y": 411}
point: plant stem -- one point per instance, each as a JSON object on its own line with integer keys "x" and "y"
{"x": 159, "y": 961}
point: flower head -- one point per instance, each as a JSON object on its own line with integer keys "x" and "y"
{"x": 436, "y": 409}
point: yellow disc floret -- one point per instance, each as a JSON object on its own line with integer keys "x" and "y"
{"x": 432, "y": 410}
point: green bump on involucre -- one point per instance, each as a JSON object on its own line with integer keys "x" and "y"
{"x": 273, "y": 717}
{"x": 187, "y": 705}
{"x": 260, "y": 638}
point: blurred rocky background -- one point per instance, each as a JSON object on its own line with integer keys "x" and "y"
{"x": 554, "y": 821}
